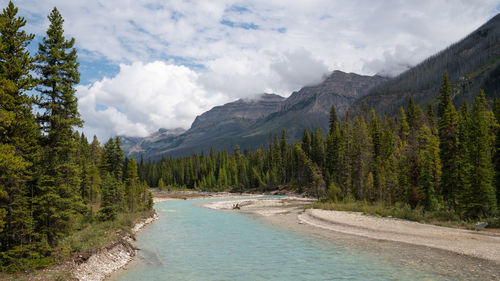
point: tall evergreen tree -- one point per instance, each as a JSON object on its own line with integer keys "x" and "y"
{"x": 464, "y": 164}
{"x": 483, "y": 198}
{"x": 131, "y": 183}
{"x": 58, "y": 71}
{"x": 306, "y": 142}
{"x": 430, "y": 166}
{"x": 18, "y": 131}
{"x": 333, "y": 118}
{"x": 496, "y": 156}
{"x": 108, "y": 208}
{"x": 448, "y": 144}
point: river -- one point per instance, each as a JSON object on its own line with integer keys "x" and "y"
{"x": 190, "y": 242}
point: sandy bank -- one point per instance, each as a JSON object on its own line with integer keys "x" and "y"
{"x": 105, "y": 261}
{"x": 261, "y": 206}
{"x": 464, "y": 242}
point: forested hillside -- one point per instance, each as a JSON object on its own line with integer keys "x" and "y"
{"x": 448, "y": 164}
{"x": 53, "y": 183}
{"x": 472, "y": 64}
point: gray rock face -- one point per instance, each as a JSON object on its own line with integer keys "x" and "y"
{"x": 247, "y": 123}
{"x": 240, "y": 109}
{"x": 138, "y": 145}
{"x": 310, "y": 106}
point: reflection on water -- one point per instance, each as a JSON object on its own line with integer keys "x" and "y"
{"x": 189, "y": 242}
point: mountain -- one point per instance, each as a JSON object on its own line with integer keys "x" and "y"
{"x": 472, "y": 64}
{"x": 247, "y": 123}
{"x": 140, "y": 145}
{"x": 310, "y": 106}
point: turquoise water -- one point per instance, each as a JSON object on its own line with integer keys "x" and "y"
{"x": 189, "y": 242}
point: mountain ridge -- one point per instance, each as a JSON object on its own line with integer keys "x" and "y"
{"x": 472, "y": 63}
{"x": 248, "y": 123}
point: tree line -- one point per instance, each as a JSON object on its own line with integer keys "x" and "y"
{"x": 432, "y": 159}
{"x": 51, "y": 177}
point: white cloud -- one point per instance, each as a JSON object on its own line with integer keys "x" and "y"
{"x": 299, "y": 68}
{"x": 241, "y": 48}
{"x": 143, "y": 98}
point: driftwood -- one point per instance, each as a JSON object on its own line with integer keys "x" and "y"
{"x": 236, "y": 206}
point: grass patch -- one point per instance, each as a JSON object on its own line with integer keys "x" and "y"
{"x": 91, "y": 236}
{"x": 441, "y": 217}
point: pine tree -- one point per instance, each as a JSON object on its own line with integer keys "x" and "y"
{"x": 118, "y": 160}
{"x": 464, "y": 164}
{"x": 306, "y": 142}
{"x": 108, "y": 209}
{"x": 361, "y": 153}
{"x": 333, "y": 118}
{"x": 161, "y": 184}
{"x": 412, "y": 115}
{"x": 448, "y": 144}
{"x": 131, "y": 182}
{"x": 58, "y": 70}
{"x": 18, "y": 131}
{"x": 377, "y": 154}
{"x": 430, "y": 169}
{"x": 95, "y": 151}
{"x": 107, "y": 158}
{"x": 496, "y": 157}
{"x": 317, "y": 148}
{"x": 483, "y": 198}
{"x": 404, "y": 128}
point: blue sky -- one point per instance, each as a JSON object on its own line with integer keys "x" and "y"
{"x": 147, "y": 64}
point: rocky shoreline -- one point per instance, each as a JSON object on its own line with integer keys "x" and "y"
{"x": 107, "y": 260}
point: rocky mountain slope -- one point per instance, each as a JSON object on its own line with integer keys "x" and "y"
{"x": 248, "y": 123}
{"x": 310, "y": 107}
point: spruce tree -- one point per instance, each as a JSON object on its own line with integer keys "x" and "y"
{"x": 131, "y": 182}
{"x": 57, "y": 67}
{"x": 18, "y": 131}
{"x": 464, "y": 164}
{"x": 430, "y": 169}
{"x": 483, "y": 198}
{"x": 317, "y": 148}
{"x": 118, "y": 160}
{"x": 333, "y": 119}
{"x": 448, "y": 144}
{"x": 108, "y": 209}
{"x": 306, "y": 143}
{"x": 496, "y": 156}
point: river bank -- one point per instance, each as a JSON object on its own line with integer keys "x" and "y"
{"x": 109, "y": 259}
{"x": 462, "y": 254}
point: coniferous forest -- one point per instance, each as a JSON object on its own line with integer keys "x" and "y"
{"x": 53, "y": 181}
{"x": 434, "y": 159}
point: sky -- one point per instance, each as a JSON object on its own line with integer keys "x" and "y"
{"x": 150, "y": 64}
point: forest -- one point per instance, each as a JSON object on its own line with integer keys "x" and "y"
{"x": 53, "y": 182}
{"x": 435, "y": 160}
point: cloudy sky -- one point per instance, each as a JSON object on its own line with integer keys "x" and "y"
{"x": 149, "y": 64}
